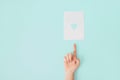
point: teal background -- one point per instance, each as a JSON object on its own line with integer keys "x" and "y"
{"x": 32, "y": 44}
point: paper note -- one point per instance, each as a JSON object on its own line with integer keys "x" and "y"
{"x": 73, "y": 26}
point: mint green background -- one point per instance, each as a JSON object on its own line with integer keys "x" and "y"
{"x": 32, "y": 45}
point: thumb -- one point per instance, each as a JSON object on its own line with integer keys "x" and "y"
{"x": 77, "y": 62}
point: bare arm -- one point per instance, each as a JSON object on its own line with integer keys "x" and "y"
{"x": 71, "y": 63}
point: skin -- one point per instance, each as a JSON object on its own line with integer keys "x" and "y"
{"x": 71, "y": 63}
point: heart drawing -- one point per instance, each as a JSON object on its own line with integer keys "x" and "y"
{"x": 74, "y": 26}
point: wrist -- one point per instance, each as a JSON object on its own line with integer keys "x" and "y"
{"x": 69, "y": 74}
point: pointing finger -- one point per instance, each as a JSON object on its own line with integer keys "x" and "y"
{"x": 75, "y": 51}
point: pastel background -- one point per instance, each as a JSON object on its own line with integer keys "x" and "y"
{"x": 32, "y": 44}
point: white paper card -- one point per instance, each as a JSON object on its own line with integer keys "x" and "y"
{"x": 73, "y": 26}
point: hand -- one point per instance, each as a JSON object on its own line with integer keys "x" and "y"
{"x": 71, "y": 62}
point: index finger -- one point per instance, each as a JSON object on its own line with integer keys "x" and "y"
{"x": 75, "y": 51}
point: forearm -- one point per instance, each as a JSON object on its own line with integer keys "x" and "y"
{"x": 69, "y": 76}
